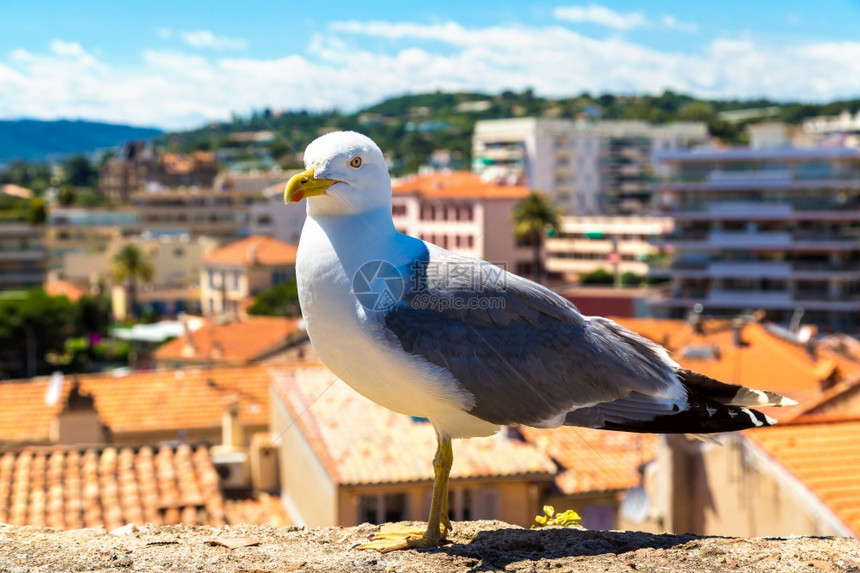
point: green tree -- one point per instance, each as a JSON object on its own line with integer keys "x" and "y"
{"x": 131, "y": 265}
{"x": 79, "y": 172}
{"x": 280, "y": 300}
{"x": 32, "y": 324}
{"x": 37, "y": 213}
{"x": 533, "y": 216}
{"x": 597, "y": 277}
{"x": 66, "y": 196}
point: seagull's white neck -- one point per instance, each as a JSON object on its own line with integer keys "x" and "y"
{"x": 357, "y": 239}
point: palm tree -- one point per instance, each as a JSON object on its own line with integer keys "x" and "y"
{"x": 130, "y": 265}
{"x": 532, "y": 217}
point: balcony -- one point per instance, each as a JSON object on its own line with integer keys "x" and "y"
{"x": 750, "y": 298}
{"x": 749, "y": 239}
{"x": 749, "y": 269}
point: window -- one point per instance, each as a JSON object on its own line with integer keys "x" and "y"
{"x": 280, "y": 276}
{"x": 598, "y": 516}
{"x": 398, "y": 210}
{"x": 382, "y": 508}
{"x": 211, "y": 278}
{"x": 472, "y": 503}
{"x": 236, "y": 276}
{"x": 470, "y": 241}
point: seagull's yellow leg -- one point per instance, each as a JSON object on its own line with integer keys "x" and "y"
{"x": 438, "y": 524}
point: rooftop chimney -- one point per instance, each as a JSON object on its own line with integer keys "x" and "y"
{"x": 232, "y": 435}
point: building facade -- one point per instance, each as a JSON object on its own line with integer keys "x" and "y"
{"x": 140, "y": 165}
{"x": 23, "y": 257}
{"x": 242, "y": 269}
{"x": 460, "y": 212}
{"x": 588, "y": 168}
{"x": 223, "y": 215}
{"x": 616, "y": 244}
{"x": 771, "y": 229}
{"x": 83, "y": 232}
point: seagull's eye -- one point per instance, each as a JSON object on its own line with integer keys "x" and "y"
{"x": 356, "y": 162}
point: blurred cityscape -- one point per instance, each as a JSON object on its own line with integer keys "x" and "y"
{"x": 154, "y": 367}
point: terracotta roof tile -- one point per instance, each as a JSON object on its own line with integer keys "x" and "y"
{"x": 68, "y": 489}
{"x": 360, "y": 442}
{"x": 764, "y": 361}
{"x": 64, "y": 288}
{"x": 242, "y": 342}
{"x": 139, "y": 402}
{"x": 594, "y": 460}
{"x": 259, "y": 249}
{"x": 822, "y": 453}
{"x": 456, "y": 185}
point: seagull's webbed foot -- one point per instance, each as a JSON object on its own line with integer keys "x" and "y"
{"x": 393, "y": 537}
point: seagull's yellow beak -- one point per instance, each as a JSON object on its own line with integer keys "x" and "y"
{"x": 304, "y": 185}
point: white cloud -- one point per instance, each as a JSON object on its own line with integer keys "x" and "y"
{"x": 182, "y": 88}
{"x": 206, "y": 39}
{"x": 673, "y": 23}
{"x": 597, "y": 14}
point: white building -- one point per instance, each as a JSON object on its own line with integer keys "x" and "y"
{"x": 458, "y": 211}
{"x": 616, "y": 244}
{"x": 588, "y": 168}
{"x": 273, "y": 218}
{"x": 773, "y": 229}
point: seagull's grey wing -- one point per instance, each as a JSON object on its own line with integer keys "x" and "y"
{"x": 525, "y": 353}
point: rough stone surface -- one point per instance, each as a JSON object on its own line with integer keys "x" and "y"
{"x": 475, "y": 546}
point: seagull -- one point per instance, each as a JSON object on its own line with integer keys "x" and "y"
{"x": 430, "y": 333}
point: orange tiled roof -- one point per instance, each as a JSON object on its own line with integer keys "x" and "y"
{"x": 456, "y": 185}
{"x": 139, "y": 402}
{"x": 64, "y": 288}
{"x": 831, "y": 401}
{"x": 765, "y": 361}
{"x": 821, "y": 452}
{"x": 360, "y": 442}
{"x": 13, "y": 190}
{"x": 68, "y": 488}
{"x": 594, "y": 460}
{"x": 258, "y": 249}
{"x": 240, "y": 342}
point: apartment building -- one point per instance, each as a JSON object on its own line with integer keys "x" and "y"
{"x": 242, "y": 269}
{"x": 23, "y": 257}
{"x": 588, "y": 168}
{"x": 458, "y": 211}
{"x": 615, "y": 244}
{"x": 223, "y": 215}
{"x": 141, "y": 165}
{"x": 776, "y": 229}
{"x": 74, "y": 231}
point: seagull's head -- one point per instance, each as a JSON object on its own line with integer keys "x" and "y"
{"x": 345, "y": 174}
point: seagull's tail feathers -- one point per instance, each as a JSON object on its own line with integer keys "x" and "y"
{"x": 709, "y": 407}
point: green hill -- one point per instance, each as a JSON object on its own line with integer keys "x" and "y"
{"x": 36, "y": 141}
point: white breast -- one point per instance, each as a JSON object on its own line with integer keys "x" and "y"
{"x": 350, "y": 340}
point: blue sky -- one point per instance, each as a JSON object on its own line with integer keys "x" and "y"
{"x": 180, "y": 64}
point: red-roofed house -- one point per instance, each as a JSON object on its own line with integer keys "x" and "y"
{"x": 249, "y": 340}
{"x": 139, "y": 408}
{"x": 795, "y": 478}
{"x": 458, "y": 211}
{"x": 596, "y": 468}
{"x": 345, "y": 460}
{"x": 242, "y": 269}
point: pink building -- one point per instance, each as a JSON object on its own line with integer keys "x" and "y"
{"x": 458, "y": 211}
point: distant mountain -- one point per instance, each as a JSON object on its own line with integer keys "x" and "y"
{"x": 33, "y": 140}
